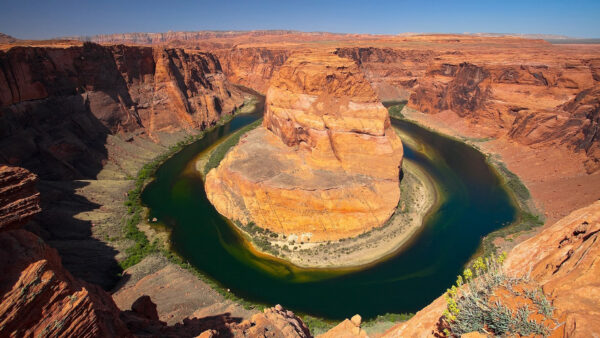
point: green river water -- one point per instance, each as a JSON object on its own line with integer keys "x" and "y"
{"x": 473, "y": 203}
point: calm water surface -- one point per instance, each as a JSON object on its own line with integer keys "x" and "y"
{"x": 474, "y": 204}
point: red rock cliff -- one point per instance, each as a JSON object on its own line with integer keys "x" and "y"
{"x": 324, "y": 165}
{"x": 38, "y": 297}
{"x": 535, "y": 93}
{"x": 58, "y": 104}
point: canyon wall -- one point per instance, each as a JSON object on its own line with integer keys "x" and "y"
{"x": 59, "y": 104}
{"x": 39, "y": 297}
{"x": 79, "y": 114}
{"x": 252, "y": 67}
{"x": 533, "y": 93}
{"x": 563, "y": 259}
{"x": 324, "y": 165}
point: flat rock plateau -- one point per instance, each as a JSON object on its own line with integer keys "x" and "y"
{"x": 79, "y": 120}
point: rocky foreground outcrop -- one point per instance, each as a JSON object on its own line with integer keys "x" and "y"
{"x": 563, "y": 259}
{"x": 40, "y": 298}
{"x": 57, "y": 105}
{"x": 324, "y": 165}
{"x": 19, "y": 200}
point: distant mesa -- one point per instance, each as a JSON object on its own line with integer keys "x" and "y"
{"x": 325, "y": 163}
{"x": 4, "y": 38}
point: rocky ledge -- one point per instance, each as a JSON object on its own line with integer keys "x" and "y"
{"x": 324, "y": 165}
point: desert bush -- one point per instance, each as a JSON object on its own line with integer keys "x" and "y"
{"x": 469, "y": 305}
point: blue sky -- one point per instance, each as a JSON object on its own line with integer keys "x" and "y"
{"x": 53, "y": 18}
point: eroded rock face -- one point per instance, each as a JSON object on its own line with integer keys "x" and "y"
{"x": 19, "y": 199}
{"x": 566, "y": 265}
{"x": 252, "y": 67}
{"x": 537, "y": 94}
{"x": 563, "y": 259}
{"x": 38, "y": 297}
{"x": 57, "y": 105}
{"x": 324, "y": 165}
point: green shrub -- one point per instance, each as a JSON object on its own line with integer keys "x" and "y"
{"x": 469, "y": 309}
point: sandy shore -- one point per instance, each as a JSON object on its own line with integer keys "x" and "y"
{"x": 418, "y": 196}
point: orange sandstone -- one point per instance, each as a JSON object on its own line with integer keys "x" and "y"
{"x": 325, "y": 163}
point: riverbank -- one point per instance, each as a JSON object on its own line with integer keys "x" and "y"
{"x": 545, "y": 184}
{"x": 136, "y": 247}
{"x": 419, "y": 195}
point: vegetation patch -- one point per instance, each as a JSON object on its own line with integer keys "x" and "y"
{"x": 218, "y": 154}
{"x": 486, "y": 300}
{"x": 395, "y": 109}
{"x": 527, "y": 217}
{"x": 141, "y": 246}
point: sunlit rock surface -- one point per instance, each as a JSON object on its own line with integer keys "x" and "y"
{"x": 324, "y": 165}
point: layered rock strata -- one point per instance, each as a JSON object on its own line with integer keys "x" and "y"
{"x": 57, "y": 105}
{"x": 534, "y": 93}
{"x": 19, "y": 200}
{"x": 325, "y": 163}
{"x": 563, "y": 259}
{"x": 40, "y": 298}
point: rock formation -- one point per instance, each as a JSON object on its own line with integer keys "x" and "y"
{"x": 324, "y": 165}
{"x": 58, "y": 104}
{"x": 38, "y": 297}
{"x": 252, "y": 67}
{"x": 563, "y": 259}
{"x": 4, "y": 38}
{"x": 349, "y": 328}
{"x": 18, "y": 198}
{"x": 526, "y": 92}
{"x": 566, "y": 265}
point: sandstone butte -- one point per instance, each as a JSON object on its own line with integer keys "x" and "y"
{"x": 324, "y": 164}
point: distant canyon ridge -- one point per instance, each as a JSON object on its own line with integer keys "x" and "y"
{"x": 529, "y": 90}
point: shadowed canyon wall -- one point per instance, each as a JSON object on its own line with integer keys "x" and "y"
{"x": 59, "y": 104}
{"x": 38, "y": 297}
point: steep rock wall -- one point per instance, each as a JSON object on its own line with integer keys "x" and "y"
{"x": 38, "y": 297}
{"x": 535, "y": 95}
{"x": 252, "y": 67}
{"x": 58, "y": 105}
